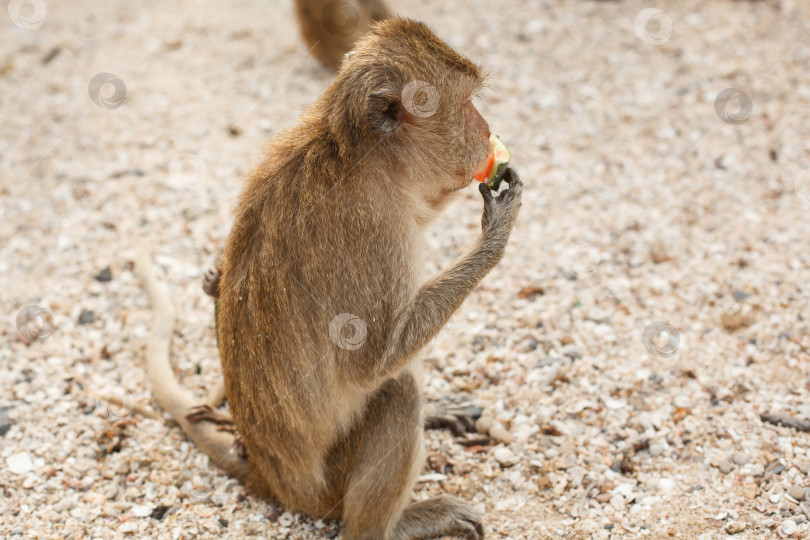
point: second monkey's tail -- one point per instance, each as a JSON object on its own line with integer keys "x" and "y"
{"x": 172, "y": 397}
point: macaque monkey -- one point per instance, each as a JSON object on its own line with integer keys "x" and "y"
{"x": 323, "y": 307}
{"x": 331, "y": 27}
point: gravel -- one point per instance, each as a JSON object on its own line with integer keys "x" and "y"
{"x": 651, "y": 305}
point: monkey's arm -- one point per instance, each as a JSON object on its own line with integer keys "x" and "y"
{"x": 440, "y": 297}
{"x": 172, "y": 397}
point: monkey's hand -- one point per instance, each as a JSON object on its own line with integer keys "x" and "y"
{"x": 500, "y": 212}
{"x": 211, "y": 281}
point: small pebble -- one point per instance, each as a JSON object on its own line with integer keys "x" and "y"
{"x": 86, "y": 317}
{"x": 787, "y": 528}
{"x": 571, "y": 351}
{"x": 656, "y": 449}
{"x": 483, "y": 424}
{"x": 775, "y": 498}
{"x": 20, "y": 463}
{"x": 726, "y": 467}
{"x": 112, "y": 491}
{"x": 142, "y": 510}
{"x": 104, "y": 275}
{"x": 739, "y": 296}
{"x": 739, "y": 458}
{"x": 755, "y": 469}
{"x": 5, "y": 421}
{"x": 286, "y": 519}
{"x": 575, "y": 475}
{"x": 618, "y": 502}
{"x": 666, "y": 485}
{"x": 734, "y": 527}
{"x": 774, "y": 467}
{"x": 505, "y": 456}
{"x": 64, "y": 504}
{"x": 806, "y": 494}
{"x": 796, "y": 493}
{"x": 128, "y": 528}
{"x": 432, "y": 477}
{"x": 500, "y": 434}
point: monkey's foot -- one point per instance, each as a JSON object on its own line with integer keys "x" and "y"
{"x": 443, "y": 516}
{"x": 459, "y": 419}
{"x": 224, "y": 422}
{"x": 211, "y": 281}
{"x": 238, "y": 443}
{"x": 204, "y": 413}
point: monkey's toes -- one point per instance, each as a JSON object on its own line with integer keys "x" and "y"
{"x": 462, "y": 520}
{"x": 204, "y": 413}
{"x": 211, "y": 281}
{"x": 239, "y": 446}
{"x": 459, "y": 420}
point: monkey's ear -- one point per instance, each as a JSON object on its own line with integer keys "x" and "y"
{"x": 386, "y": 111}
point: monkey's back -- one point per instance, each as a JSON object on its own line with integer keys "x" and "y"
{"x": 309, "y": 251}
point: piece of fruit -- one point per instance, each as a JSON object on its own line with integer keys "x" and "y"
{"x": 495, "y": 167}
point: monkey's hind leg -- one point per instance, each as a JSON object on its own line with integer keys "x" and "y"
{"x": 387, "y": 459}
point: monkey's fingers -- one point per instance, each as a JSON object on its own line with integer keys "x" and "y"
{"x": 515, "y": 185}
{"x": 485, "y": 192}
{"x": 511, "y": 196}
{"x": 446, "y": 422}
{"x": 489, "y": 201}
{"x": 239, "y": 446}
{"x": 460, "y": 421}
{"x": 210, "y": 283}
{"x": 204, "y": 413}
{"x": 238, "y": 443}
{"x": 511, "y": 176}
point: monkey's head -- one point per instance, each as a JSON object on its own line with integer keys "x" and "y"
{"x": 403, "y": 98}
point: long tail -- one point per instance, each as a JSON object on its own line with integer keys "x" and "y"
{"x": 171, "y": 396}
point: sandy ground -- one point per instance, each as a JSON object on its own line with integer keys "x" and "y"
{"x": 652, "y": 303}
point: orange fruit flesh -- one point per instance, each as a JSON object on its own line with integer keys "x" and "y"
{"x": 483, "y": 175}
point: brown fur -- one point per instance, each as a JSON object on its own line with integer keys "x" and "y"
{"x": 331, "y": 222}
{"x": 331, "y": 27}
